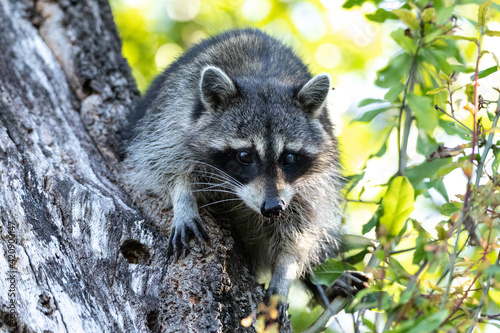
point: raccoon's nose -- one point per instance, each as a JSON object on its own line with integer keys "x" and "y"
{"x": 272, "y": 207}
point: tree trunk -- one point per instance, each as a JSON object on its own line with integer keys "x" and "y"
{"x": 79, "y": 256}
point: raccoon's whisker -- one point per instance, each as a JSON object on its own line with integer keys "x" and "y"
{"x": 241, "y": 205}
{"x": 216, "y": 176}
{"x": 215, "y": 190}
{"x": 214, "y": 185}
{"x": 220, "y": 201}
{"x": 219, "y": 170}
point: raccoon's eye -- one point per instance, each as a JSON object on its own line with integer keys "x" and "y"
{"x": 244, "y": 157}
{"x": 289, "y": 159}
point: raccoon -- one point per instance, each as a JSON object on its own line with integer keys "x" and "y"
{"x": 239, "y": 123}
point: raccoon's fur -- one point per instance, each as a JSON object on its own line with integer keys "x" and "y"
{"x": 240, "y": 124}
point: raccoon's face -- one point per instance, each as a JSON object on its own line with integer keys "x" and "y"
{"x": 262, "y": 137}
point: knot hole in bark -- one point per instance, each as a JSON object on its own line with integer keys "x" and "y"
{"x": 135, "y": 252}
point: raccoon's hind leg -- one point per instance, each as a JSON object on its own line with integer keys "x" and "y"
{"x": 186, "y": 222}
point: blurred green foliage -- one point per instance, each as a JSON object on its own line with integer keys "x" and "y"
{"x": 426, "y": 216}
{"x": 155, "y": 32}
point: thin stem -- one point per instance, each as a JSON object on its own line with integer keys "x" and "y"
{"x": 410, "y": 81}
{"x": 402, "y": 147}
{"x": 363, "y": 201}
{"x": 410, "y": 249}
{"x": 453, "y": 117}
{"x": 484, "y": 295}
{"x": 487, "y": 147}
{"x": 335, "y": 306}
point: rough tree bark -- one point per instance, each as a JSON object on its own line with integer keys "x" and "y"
{"x": 78, "y": 255}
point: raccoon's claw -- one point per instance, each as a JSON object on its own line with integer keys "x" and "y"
{"x": 181, "y": 233}
{"x": 348, "y": 284}
{"x": 282, "y": 315}
{"x": 275, "y": 303}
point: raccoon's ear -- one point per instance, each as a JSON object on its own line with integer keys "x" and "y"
{"x": 215, "y": 87}
{"x": 313, "y": 94}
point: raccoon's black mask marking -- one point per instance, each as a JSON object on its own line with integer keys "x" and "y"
{"x": 227, "y": 161}
{"x": 302, "y": 166}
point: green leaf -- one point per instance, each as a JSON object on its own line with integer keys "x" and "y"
{"x": 446, "y": 169}
{"x": 451, "y": 208}
{"x": 374, "y": 221}
{"x": 435, "y": 91}
{"x": 406, "y": 43}
{"x": 429, "y": 14}
{"x": 394, "y": 72}
{"x": 421, "y": 242}
{"x": 397, "y": 205}
{"x": 356, "y": 242}
{"x": 484, "y": 14}
{"x": 492, "y": 33}
{"x": 430, "y": 323}
{"x": 397, "y": 270}
{"x": 452, "y": 128}
{"x": 368, "y": 324}
{"x": 368, "y": 101}
{"x": 496, "y": 161}
{"x": 407, "y": 294}
{"x": 369, "y": 115}
{"x": 380, "y": 16}
{"x": 426, "y": 144}
{"x": 351, "y": 3}
{"x": 417, "y": 173}
{"x": 356, "y": 258}
{"x": 438, "y": 185}
{"x": 469, "y": 91}
{"x": 444, "y": 14}
{"x": 393, "y": 94}
{"x": 493, "y": 269}
{"x": 383, "y": 148}
{"x": 354, "y": 180}
{"x": 369, "y": 299}
{"x": 458, "y": 37}
{"x": 432, "y": 33}
{"x": 407, "y": 17}
{"x": 484, "y": 73}
{"x": 330, "y": 271}
{"x": 427, "y": 117}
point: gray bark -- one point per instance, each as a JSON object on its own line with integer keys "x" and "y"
{"x": 78, "y": 254}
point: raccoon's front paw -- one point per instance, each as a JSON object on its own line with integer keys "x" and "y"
{"x": 277, "y": 303}
{"x": 180, "y": 234}
{"x": 348, "y": 284}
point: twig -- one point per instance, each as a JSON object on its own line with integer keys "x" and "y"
{"x": 409, "y": 117}
{"x": 322, "y": 293}
{"x": 337, "y": 305}
{"x": 487, "y": 146}
{"x": 453, "y": 117}
{"x": 363, "y": 201}
{"x": 410, "y": 249}
{"x": 484, "y": 295}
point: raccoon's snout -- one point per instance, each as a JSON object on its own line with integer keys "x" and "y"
{"x": 272, "y": 207}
